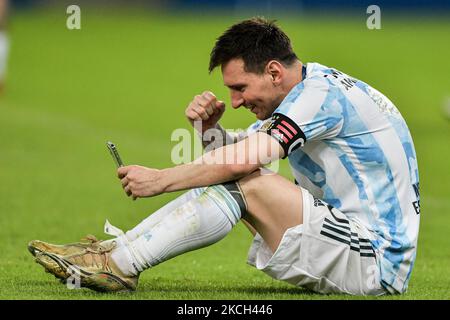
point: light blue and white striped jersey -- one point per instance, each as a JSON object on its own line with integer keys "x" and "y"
{"x": 358, "y": 156}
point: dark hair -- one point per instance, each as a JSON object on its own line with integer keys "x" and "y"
{"x": 256, "y": 41}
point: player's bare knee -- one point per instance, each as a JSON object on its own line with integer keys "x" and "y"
{"x": 249, "y": 184}
{"x": 258, "y": 181}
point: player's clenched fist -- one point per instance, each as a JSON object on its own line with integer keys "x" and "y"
{"x": 205, "y": 108}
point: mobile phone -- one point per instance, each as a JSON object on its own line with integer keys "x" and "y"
{"x": 115, "y": 154}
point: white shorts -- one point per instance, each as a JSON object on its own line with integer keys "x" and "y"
{"x": 328, "y": 253}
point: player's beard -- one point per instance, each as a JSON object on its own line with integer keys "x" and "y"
{"x": 261, "y": 112}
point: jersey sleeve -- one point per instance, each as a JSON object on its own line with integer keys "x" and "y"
{"x": 311, "y": 111}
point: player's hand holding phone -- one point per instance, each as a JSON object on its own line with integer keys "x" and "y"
{"x": 137, "y": 181}
{"x": 140, "y": 182}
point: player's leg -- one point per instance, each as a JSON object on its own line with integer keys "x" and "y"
{"x": 274, "y": 205}
{"x": 4, "y": 44}
{"x": 196, "y": 219}
{"x": 202, "y": 219}
{"x": 91, "y": 242}
{"x": 284, "y": 216}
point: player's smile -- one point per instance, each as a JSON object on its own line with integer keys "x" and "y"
{"x": 252, "y": 108}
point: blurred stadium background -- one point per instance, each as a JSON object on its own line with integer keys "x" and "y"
{"x": 128, "y": 75}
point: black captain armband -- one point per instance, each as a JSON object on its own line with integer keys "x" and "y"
{"x": 286, "y": 131}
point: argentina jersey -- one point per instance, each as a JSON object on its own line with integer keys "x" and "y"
{"x": 348, "y": 145}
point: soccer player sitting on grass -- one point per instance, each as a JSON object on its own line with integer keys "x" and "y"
{"x": 348, "y": 225}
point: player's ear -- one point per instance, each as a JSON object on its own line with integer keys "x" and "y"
{"x": 275, "y": 71}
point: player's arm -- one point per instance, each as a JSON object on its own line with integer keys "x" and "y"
{"x": 227, "y": 163}
{"x": 230, "y": 162}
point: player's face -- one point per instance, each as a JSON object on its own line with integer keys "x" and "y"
{"x": 255, "y": 92}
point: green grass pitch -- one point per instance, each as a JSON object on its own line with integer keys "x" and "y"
{"x": 127, "y": 76}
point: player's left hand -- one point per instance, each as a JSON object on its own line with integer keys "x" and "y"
{"x": 139, "y": 182}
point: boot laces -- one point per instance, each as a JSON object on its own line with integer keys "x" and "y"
{"x": 95, "y": 257}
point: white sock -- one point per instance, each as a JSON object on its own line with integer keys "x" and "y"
{"x": 148, "y": 223}
{"x": 156, "y": 217}
{"x": 123, "y": 238}
{"x": 4, "y": 48}
{"x": 195, "y": 220}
